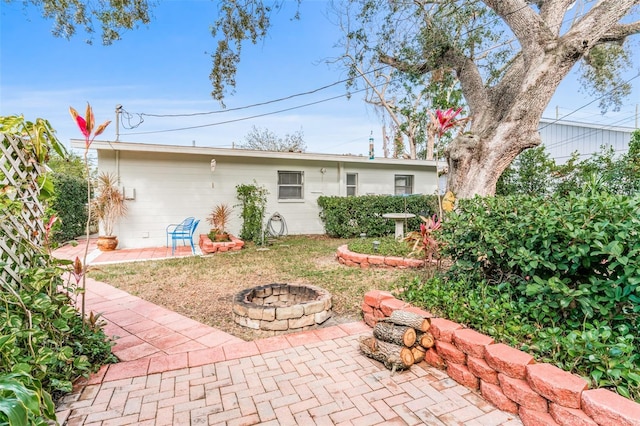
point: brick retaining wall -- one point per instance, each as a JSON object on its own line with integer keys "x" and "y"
{"x": 350, "y": 258}
{"x": 541, "y": 394}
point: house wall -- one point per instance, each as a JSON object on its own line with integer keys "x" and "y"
{"x": 169, "y": 187}
{"x": 562, "y": 138}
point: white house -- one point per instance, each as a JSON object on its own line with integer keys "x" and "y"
{"x": 165, "y": 183}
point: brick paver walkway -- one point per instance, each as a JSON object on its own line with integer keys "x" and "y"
{"x": 174, "y": 370}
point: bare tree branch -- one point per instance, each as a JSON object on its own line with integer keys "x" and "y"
{"x": 552, "y": 13}
{"x": 598, "y": 22}
{"x": 620, "y": 32}
{"x": 526, "y": 24}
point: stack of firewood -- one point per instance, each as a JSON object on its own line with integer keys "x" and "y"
{"x": 398, "y": 341}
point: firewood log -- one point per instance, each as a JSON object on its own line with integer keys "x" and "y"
{"x": 418, "y": 353}
{"x": 425, "y": 339}
{"x": 394, "y": 357}
{"x": 398, "y": 357}
{"x": 409, "y": 319}
{"x": 369, "y": 347}
{"x": 397, "y": 334}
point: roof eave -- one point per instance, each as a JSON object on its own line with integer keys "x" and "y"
{"x": 201, "y": 150}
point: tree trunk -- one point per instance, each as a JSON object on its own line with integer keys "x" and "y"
{"x": 396, "y": 334}
{"x": 504, "y": 128}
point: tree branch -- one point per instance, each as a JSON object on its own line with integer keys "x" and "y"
{"x": 466, "y": 70}
{"x": 598, "y": 22}
{"x": 525, "y": 23}
{"x": 620, "y": 32}
{"x": 553, "y": 12}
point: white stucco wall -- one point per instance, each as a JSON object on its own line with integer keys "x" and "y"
{"x": 170, "y": 186}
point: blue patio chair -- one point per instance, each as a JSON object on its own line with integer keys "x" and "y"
{"x": 182, "y": 231}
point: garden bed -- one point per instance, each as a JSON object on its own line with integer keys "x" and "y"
{"x": 208, "y": 246}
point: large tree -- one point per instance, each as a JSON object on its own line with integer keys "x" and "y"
{"x": 509, "y": 56}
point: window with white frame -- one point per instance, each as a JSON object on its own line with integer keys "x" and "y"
{"x": 290, "y": 185}
{"x": 352, "y": 184}
{"x": 403, "y": 184}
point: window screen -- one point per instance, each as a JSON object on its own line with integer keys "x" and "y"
{"x": 290, "y": 185}
{"x": 352, "y": 184}
{"x": 403, "y": 184}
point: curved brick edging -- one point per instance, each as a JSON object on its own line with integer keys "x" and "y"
{"x": 350, "y": 258}
{"x": 541, "y": 394}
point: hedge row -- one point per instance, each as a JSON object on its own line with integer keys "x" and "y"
{"x": 347, "y": 217}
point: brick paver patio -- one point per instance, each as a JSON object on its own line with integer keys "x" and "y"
{"x": 174, "y": 370}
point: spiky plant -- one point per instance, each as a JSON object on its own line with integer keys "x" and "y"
{"x": 109, "y": 204}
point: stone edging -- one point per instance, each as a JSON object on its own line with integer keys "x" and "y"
{"x": 208, "y": 246}
{"x": 350, "y": 258}
{"x": 541, "y": 394}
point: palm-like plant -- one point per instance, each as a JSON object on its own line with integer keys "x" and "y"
{"x": 219, "y": 218}
{"x": 109, "y": 204}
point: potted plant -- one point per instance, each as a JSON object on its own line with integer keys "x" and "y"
{"x": 108, "y": 206}
{"x": 219, "y": 219}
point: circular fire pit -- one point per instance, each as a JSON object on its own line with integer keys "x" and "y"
{"x": 282, "y": 308}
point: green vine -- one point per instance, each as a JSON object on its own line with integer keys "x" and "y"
{"x": 253, "y": 200}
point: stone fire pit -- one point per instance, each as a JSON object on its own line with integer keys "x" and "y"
{"x": 282, "y": 308}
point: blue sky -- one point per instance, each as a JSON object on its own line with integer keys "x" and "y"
{"x": 164, "y": 69}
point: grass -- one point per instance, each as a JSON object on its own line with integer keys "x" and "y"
{"x": 388, "y": 246}
{"x": 203, "y": 288}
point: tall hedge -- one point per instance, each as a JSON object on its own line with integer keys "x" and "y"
{"x": 69, "y": 204}
{"x": 347, "y": 217}
{"x": 557, "y": 277}
{"x": 570, "y": 260}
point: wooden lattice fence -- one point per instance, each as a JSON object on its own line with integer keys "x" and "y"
{"x": 21, "y": 227}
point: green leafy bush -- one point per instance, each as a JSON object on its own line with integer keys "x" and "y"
{"x": 43, "y": 335}
{"x": 23, "y": 401}
{"x": 347, "y": 217}
{"x": 69, "y": 205}
{"x": 557, "y": 277}
{"x": 253, "y": 200}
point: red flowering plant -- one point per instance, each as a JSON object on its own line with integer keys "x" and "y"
{"x": 86, "y": 125}
{"x": 424, "y": 242}
{"x": 441, "y": 123}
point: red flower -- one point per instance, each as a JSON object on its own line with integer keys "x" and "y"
{"x": 443, "y": 121}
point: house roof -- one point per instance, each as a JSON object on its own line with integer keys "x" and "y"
{"x": 593, "y": 126}
{"x": 247, "y": 153}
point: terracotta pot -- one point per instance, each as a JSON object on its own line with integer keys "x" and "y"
{"x": 107, "y": 242}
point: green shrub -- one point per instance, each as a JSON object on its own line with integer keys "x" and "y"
{"x": 573, "y": 258}
{"x": 253, "y": 200}
{"x": 69, "y": 205}
{"x": 43, "y": 335}
{"x": 347, "y": 217}
{"x": 23, "y": 401}
{"x": 557, "y": 277}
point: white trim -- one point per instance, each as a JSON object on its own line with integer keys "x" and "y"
{"x": 305, "y": 156}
